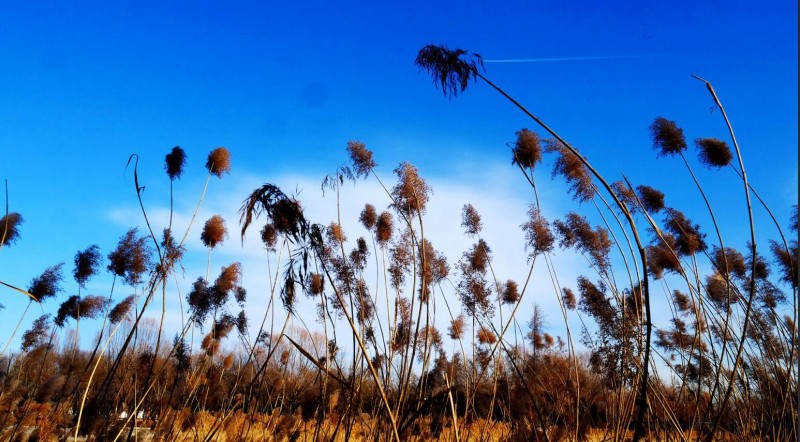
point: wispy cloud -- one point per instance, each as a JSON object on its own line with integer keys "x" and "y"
{"x": 579, "y": 58}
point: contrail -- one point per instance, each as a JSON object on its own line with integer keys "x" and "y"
{"x": 586, "y": 58}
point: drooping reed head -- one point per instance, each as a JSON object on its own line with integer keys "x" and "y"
{"x": 538, "y": 237}
{"x": 383, "y": 228}
{"x": 411, "y": 193}
{"x": 219, "y": 162}
{"x": 174, "y": 163}
{"x": 34, "y": 336}
{"x": 713, "y": 152}
{"x": 368, "y": 217}
{"x": 652, "y": 199}
{"x": 568, "y": 298}
{"x": 361, "y": 157}
{"x": 269, "y": 236}
{"x": 527, "y": 150}
{"x": 510, "y": 292}
{"x": 131, "y": 258}
{"x": 86, "y": 263}
{"x": 456, "y": 328}
{"x": 229, "y": 278}
{"x": 450, "y": 69}
{"x": 667, "y": 137}
{"x": 689, "y": 239}
{"x": 48, "y": 284}
{"x": 729, "y": 263}
{"x": 214, "y": 232}
{"x": 120, "y": 311}
{"x": 9, "y": 228}
{"x": 471, "y": 220}
{"x": 573, "y": 170}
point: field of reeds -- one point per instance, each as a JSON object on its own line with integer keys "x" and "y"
{"x": 720, "y": 363}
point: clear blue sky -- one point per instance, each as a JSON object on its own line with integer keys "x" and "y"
{"x": 284, "y": 86}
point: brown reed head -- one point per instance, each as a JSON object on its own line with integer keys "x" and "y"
{"x": 361, "y": 157}
{"x": 368, "y": 217}
{"x": 131, "y": 258}
{"x": 510, "y": 292}
{"x": 573, "y": 170}
{"x": 527, "y": 150}
{"x": 538, "y": 236}
{"x": 568, "y": 298}
{"x": 450, "y": 69}
{"x": 652, "y": 199}
{"x": 219, "y": 162}
{"x": 230, "y": 277}
{"x": 688, "y": 238}
{"x": 486, "y": 336}
{"x": 120, "y": 311}
{"x": 471, "y": 220}
{"x": 86, "y": 263}
{"x": 411, "y": 193}
{"x": 9, "y": 228}
{"x": 34, "y": 336}
{"x": 214, "y": 232}
{"x": 269, "y": 236}
{"x": 713, "y": 152}
{"x": 335, "y": 233}
{"x": 667, "y": 137}
{"x": 174, "y": 163}
{"x": 48, "y": 284}
{"x": 456, "y": 328}
{"x": 317, "y": 284}
{"x": 383, "y": 228}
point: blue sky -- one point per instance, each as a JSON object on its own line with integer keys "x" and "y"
{"x": 284, "y": 87}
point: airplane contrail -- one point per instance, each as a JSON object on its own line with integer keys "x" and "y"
{"x": 585, "y": 58}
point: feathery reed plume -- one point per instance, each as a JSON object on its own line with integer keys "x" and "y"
{"x": 681, "y": 300}
{"x": 732, "y": 259}
{"x": 172, "y": 251}
{"x": 538, "y": 237}
{"x": 787, "y": 261}
{"x": 214, "y": 232}
{"x": 510, "y": 293}
{"x": 471, "y": 220}
{"x": 335, "y": 233}
{"x": 477, "y": 257}
{"x": 713, "y": 152}
{"x": 652, "y": 199}
{"x": 411, "y": 193}
{"x": 456, "y": 328}
{"x": 48, "y": 284}
{"x": 384, "y": 228}
{"x": 361, "y": 158}
{"x": 717, "y": 289}
{"x": 450, "y": 69}
{"x": 368, "y": 217}
{"x": 667, "y": 137}
{"x": 662, "y": 255}
{"x": 527, "y": 150}
{"x": 433, "y": 268}
{"x": 86, "y": 263}
{"x": 317, "y": 284}
{"x": 219, "y": 162}
{"x": 9, "y": 228}
{"x": 626, "y": 195}
{"x": 576, "y": 231}
{"x": 573, "y": 170}
{"x": 229, "y": 278}
{"x": 688, "y": 238}
{"x": 120, "y": 311}
{"x": 227, "y": 363}
{"x": 174, "y": 163}
{"x": 568, "y": 298}
{"x": 241, "y": 323}
{"x": 67, "y": 309}
{"x": 269, "y": 236}
{"x": 131, "y": 258}
{"x": 486, "y": 336}
{"x": 91, "y": 306}
{"x": 34, "y": 337}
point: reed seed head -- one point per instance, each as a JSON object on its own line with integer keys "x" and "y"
{"x": 86, "y": 263}
{"x": 652, "y": 199}
{"x": 368, "y": 217}
{"x": 456, "y": 329}
{"x": 9, "y": 228}
{"x": 667, "y": 137}
{"x": 34, "y": 337}
{"x": 713, "y": 152}
{"x": 568, "y": 297}
{"x": 120, "y": 311}
{"x": 269, "y": 236}
{"x": 528, "y": 149}
{"x": 510, "y": 292}
{"x": 174, "y": 163}
{"x": 214, "y": 232}
{"x": 573, "y": 170}
{"x": 383, "y": 228}
{"x": 538, "y": 236}
{"x": 361, "y": 158}
{"x": 219, "y": 162}
{"x": 471, "y": 220}
{"x": 486, "y": 336}
{"x": 411, "y": 193}
{"x": 48, "y": 284}
{"x": 450, "y": 69}
{"x": 317, "y": 284}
